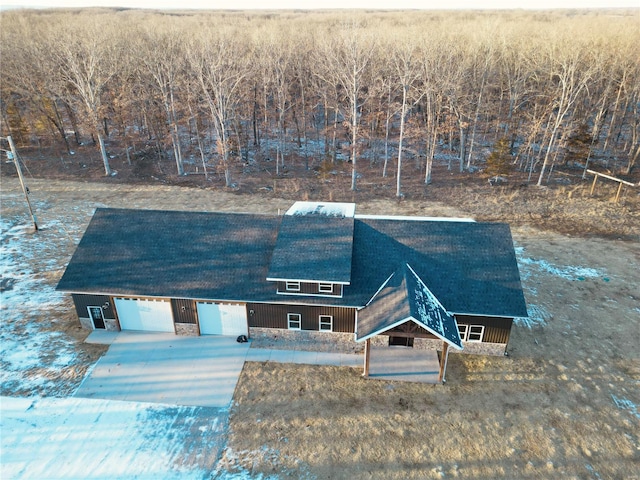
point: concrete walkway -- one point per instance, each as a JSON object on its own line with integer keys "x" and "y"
{"x": 170, "y": 369}
{"x": 303, "y": 357}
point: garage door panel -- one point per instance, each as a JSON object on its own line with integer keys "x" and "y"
{"x": 222, "y": 319}
{"x": 234, "y": 319}
{"x": 209, "y": 317}
{"x": 145, "y": 315}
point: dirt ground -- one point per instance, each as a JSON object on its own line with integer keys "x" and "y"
{"x": 564, "y": 404}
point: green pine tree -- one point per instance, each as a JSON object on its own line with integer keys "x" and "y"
{"x": 499, "y": 162}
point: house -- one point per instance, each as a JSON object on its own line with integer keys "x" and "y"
{"x": 320, "y": 269}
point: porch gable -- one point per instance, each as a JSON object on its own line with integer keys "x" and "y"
{"x": 404, "y": 297}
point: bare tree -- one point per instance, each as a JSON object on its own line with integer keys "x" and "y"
{"x": 405, "y": 60}
{"x": 567, "y": 81}
{"x": 87, "y": 59}
{"x": 348, "y": 54}
{"x": 162, "y": 61}
{"x": 219, "y": 64}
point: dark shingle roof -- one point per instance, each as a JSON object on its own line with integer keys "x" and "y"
{"x": 173, "y": 254}
{"x": 470, "y": 267}
{"x": 313, "y": 248}
{"x": 404, "y": 297}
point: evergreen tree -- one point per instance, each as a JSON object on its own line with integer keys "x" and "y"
{"x": 499, "y": 162}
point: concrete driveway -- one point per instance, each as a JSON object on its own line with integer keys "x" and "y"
{"x": 166, "y": 368}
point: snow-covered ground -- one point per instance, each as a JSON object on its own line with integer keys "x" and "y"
{"x": 77, "y": 438}
{"x": 33, "y": 354}
{"x": 532, "y": 269}
{"x": 42, "y": 437}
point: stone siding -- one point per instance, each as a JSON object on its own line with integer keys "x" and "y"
{"x": 110, "y": 324}
{"x": 187, "y": 329}
{"x": 86, "y": 323}
{"x": 474, "y": 348}
{"x": 305, "y": 340}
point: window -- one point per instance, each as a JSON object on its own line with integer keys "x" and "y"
{"x": 294, "y": 321}
{"x": 475, "y": 333}
{"x": 325, "y": 287}
{"x": 292, "y": 286}
{"x": 326, "y": 323}
{"x": 463, "y": 331}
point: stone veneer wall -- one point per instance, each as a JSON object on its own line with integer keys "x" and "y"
{"x": 306, "y": 340}
{"x": 345, "y": 342}
{"x": 110, "y": 324}
{"x": 187, "y": 329}
{"x": 475, "y": 348}
{"x": 86, "y": 323}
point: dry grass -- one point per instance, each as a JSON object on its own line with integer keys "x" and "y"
{"x": 564, "y": 404}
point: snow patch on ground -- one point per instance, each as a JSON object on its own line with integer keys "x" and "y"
{"x": 530, "y": 265}
{"x": 33, "y": 356}
{"x": 240, "y": 465}
{"x": 90, "y": 439}
{"x": 530, "y": 269}
{"x": 538, "y": 316}
{"x": 626, "y": 404}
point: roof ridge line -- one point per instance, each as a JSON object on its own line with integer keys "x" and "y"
{"x": 428, "y": 289}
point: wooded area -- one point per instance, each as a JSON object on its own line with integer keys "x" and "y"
{"x": 481, "y": 91}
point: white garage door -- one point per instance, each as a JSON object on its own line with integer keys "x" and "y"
{"x": 219, "y": 319}
{"x": 148, "y": 315}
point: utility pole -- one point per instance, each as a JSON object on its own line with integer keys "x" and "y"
{"x": 16, "y": 162}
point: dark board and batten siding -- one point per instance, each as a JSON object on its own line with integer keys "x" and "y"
{"x": 184, "y": 311}
{"x": 265, "y": 315}
{"x": 496, "y": 329}
{"x": 310, "y": 288}
{"x": 82, "y": 301}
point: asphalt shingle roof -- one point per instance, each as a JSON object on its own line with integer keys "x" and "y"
{"x": 405, "y": 298}
{"x": 215, "y": 256}
{"x": 470, "y": 267}
{"x": 313, "y": 248}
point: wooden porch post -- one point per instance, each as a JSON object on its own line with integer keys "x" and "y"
{"x": 618, "y": 193}
{"x": 593, "y": 185}
{"x": 443, "y": 362}
{"x": 367, "y": 353}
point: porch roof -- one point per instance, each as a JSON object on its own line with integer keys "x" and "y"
{"x": 402, "y": 298}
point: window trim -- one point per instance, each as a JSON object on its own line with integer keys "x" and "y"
{"x": 471, "y": 332}
{"x": 330, "y": 323}
{"x": 298, "y": 319}
{"x": 324, "y": 287}
{"x": 292, "y": 286}
{"x": 463, "y": 329}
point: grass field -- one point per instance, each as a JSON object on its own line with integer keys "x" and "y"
{"x": 564, "y": 404}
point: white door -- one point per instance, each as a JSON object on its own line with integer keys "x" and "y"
{"x": 220, "y": 319}
{"x": 147, "y": 315}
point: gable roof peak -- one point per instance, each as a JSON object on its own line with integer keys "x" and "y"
{"x": 405, "y": 297}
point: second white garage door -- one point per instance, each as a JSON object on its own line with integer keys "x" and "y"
{"x": 221, "y": 319}
{"x": 147, "y": 315}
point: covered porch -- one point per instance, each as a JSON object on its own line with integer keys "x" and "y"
{"x": 405, "y": 309}
{"x": 404, "y": 364}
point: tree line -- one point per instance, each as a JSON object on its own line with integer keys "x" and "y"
{"x": 546, "y": 88}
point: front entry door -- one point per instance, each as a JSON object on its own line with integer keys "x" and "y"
{"x": 95, "y": 313}
{"x": 401, "y": 341}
